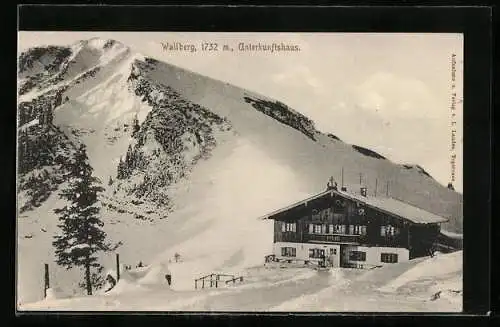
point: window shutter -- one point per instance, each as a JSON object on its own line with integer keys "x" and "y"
{"x": 283, "y": 226}
{"x": 311, "y": 230}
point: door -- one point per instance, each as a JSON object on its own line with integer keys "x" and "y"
{"x": 343, "y": 260}
{"x": 334, "y": 256}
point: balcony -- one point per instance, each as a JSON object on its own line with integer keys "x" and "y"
{"x": 335, "y": 238}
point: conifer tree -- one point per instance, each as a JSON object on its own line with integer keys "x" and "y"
{"x": 81, "y": 235}
{"x": 121, "y": 169}
{"x": 135, "y": 126}
{"x": 128, "y": 157}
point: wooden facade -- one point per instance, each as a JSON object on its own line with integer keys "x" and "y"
{"x": 338, "y": 218}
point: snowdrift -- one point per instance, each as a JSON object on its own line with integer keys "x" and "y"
{"x": 424, "y": 284}
{"x": 292, "y": 289}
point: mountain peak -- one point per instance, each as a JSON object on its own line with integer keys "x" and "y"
{"x": 100, "y": 43}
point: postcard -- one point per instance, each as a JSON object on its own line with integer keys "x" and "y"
{"x": 241, "y": 172}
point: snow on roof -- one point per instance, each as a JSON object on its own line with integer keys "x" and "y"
{"x": 387, "y": 204}
{"x": 451, "y": 234}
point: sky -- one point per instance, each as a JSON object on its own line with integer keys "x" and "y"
{"x": 390, "y": 92}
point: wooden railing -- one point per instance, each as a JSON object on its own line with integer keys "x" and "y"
{"x": 235, "y": 279}
{"x": 394, "y": 241}
{"x": 214, "y": 280}
{"x": 334, "y": 238}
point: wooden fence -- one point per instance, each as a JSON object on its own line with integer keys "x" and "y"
{"x": 212, "y": 280}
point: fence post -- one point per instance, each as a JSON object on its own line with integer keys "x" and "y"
{"x": 117, "y": 267}
{"x": 203, "y": 283}
{"x": 47, "y": 281}
{"x": 195, "y": 284}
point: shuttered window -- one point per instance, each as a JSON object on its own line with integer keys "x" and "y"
{"x": 389, "y": 230}
{"x": 290, "y": 227}
{"x": 288, "y": 252}
{"x": 316, "y": 253}
{"x": 389, "y": 257}
{"x": 357, "y": 256}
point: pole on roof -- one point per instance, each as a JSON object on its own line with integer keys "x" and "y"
{"x": 387, "y": 189}
{"x": 342, "y": 177}
{"x": 376, "y": 184}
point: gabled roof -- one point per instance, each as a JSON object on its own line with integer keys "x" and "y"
{"x": 387, "y": 204}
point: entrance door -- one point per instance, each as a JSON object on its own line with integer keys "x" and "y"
{"x": 333, "y": 256}
{"x": 343, "y": 256}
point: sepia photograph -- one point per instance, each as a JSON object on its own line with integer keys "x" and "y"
{"x": 239, "y": 172}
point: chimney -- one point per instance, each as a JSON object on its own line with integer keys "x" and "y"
{"x": 363, "y": 191}
{"x": 343, "y": 189}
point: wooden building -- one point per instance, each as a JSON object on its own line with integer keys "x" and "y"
{"x": 353, "y": 230}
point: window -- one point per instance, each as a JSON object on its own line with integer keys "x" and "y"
{"x": 317, "y": 229}
{"x": 359, "y": 230}
{"x": 290, "y": 227}
{"x": 326, "y": 214}
{"x": 288, "y": 252}
{"x": 330, "y": 229}
{"x": 389, "y": 257}
{"x": 351, "y": 229}
{"x": 357, "y": 256}
{"x": 316, "y": 253}
{"x": 333, "y": 251}
{"x": 388, "y": 230}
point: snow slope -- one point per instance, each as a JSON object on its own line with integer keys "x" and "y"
{"x": 294, "y": 289}
{"x": 412, "y": 289}
{"x": 258, "y": 165}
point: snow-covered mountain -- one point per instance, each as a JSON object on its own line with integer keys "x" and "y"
{"x": 188, "y": 162}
